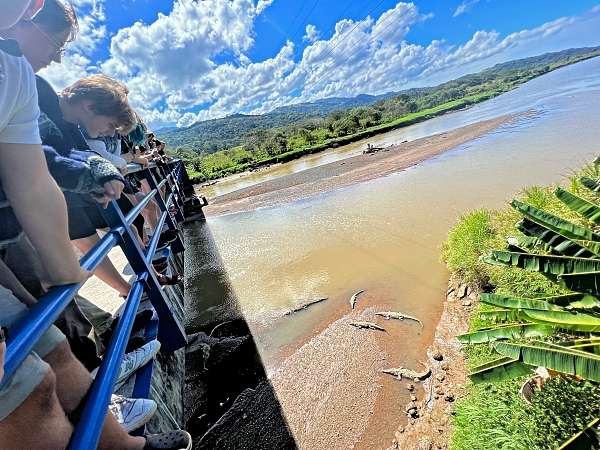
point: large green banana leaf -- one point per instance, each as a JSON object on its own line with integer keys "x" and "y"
{"x": 587, "y": 209}
{"x": 555, "y": 223}
{"x": 564, "y": 299}
{"x": 500, "y": 369}
{"x": 574, "y": 321}
{"x": 591, "y": 246}
{"x": 501, "y": 315}
{"x": 505, "y": 301}
{"x": 591, "y": 344}
{"x": 559, "y": 243}
{"x": 528, "y": 244}
{"x": 588, "y": 282}
{"x": 561, "y": 359}
{"x": 587, "y": 303}
{"x": 509, "y": 331}
{"x": 548, "y": 264}
{"x": 578, "y": 342}
{"x": 590, "y": 183}
{"x": 586, "y": 439}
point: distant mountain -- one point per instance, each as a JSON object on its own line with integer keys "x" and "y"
{"x": 328, "y": 105}
{"x": 216, "y": 134}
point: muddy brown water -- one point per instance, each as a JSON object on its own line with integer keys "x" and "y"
{"x": 384, "y": 236}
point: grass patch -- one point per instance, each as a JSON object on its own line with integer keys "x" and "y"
{"x": 490, "y": 417}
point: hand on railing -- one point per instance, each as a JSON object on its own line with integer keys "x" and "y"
{"x": 112, "y": 191}
{"x": 143, "y": 161}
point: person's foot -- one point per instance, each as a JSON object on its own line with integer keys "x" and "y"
{"x": 132, "y": 413}
{"x": 171, "y": 440}
{"x": 172, "y": 280}
{"x": 134, "y": 360}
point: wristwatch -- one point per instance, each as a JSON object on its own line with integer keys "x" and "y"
{"x": 3, "y": 334}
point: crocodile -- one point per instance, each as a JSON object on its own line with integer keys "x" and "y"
{"x": 354, "y": 297}
{"x": 404, "y": 372}
{"x": 367, "y": 325}
{"x": 397, "y": 315}
{"x": 306, "y": 305}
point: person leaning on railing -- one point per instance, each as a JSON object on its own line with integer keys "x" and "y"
{"x": 41, "y": 400}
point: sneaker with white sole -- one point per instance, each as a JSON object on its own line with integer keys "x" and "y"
{"x": 132, "y": 413}
{"x": 132, "y": 361}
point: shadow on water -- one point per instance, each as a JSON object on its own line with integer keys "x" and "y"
{"x": 229, "y": 402}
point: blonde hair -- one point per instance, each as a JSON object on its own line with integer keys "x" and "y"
{"x": 108, "y": 97}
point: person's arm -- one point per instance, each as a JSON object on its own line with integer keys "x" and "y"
{"x": 40, "y": 207}
{"x": 84, "y": 173}
{"x": 99, "y": 147}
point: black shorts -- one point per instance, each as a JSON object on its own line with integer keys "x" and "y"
{"x": 85, "y": 215}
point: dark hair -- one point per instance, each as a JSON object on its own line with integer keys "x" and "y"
{"x": 57, "y": 17}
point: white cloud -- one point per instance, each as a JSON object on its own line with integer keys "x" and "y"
{"x": 262, "y": 5}
{"x": 171, "y": 68}
{"x": 464, "y": 7}
{"x": 311, "y": 34}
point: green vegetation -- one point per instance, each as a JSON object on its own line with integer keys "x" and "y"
{"x": 220, "y": 147}
{"x": 493, "y": 416}
{"x": 545, "y": 311}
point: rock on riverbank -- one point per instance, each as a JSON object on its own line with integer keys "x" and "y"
{"x": 429, "y": 425}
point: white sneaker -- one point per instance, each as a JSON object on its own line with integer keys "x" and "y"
{"x": 133, "y": 361}
{"x": 132, "y": 413}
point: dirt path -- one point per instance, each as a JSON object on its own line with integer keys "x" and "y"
{"x": 349, "y": 171}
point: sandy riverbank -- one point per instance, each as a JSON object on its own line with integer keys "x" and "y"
{"x": 352, "y": 170}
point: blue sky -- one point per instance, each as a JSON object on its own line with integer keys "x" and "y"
{"x": 187, "y": 60}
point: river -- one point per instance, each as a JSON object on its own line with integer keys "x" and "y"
{"x": 384, "y": 236}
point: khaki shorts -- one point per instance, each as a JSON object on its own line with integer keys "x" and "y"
{"x": 33, "y": 369}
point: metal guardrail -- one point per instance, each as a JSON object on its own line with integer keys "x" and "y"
{"x": 170, "y": 332}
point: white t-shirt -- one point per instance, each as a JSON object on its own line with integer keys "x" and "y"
{"x": 19, "y": 109}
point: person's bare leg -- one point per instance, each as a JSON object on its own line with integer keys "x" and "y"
{"x": 106, "y": 271}
{"x": 152, "y": 206}
{"x": 38, "y": 423}
{"x": 73, "y": 382}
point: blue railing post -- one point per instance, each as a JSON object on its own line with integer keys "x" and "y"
{"x": 87, "y": 433}
{"x": 171, "y": 333}
{"x": 177, "y": 245}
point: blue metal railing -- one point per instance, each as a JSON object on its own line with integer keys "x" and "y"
{"x": 46, "y": 311}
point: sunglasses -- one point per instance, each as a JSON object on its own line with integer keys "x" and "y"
{"x": 59, "y": 49}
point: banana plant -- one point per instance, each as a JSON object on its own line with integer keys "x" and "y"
{"x": 567, "y": 253}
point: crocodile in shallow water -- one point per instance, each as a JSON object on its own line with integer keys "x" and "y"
{"x": 354, "y": 297}
{"x": 397, "y": 315}
{"x": 306, "y": 305}
{"x": 367, "y": 325}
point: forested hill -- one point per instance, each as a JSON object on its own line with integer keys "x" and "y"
{"x": 313, "y": 125}
{"x": 212, "y": 135}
